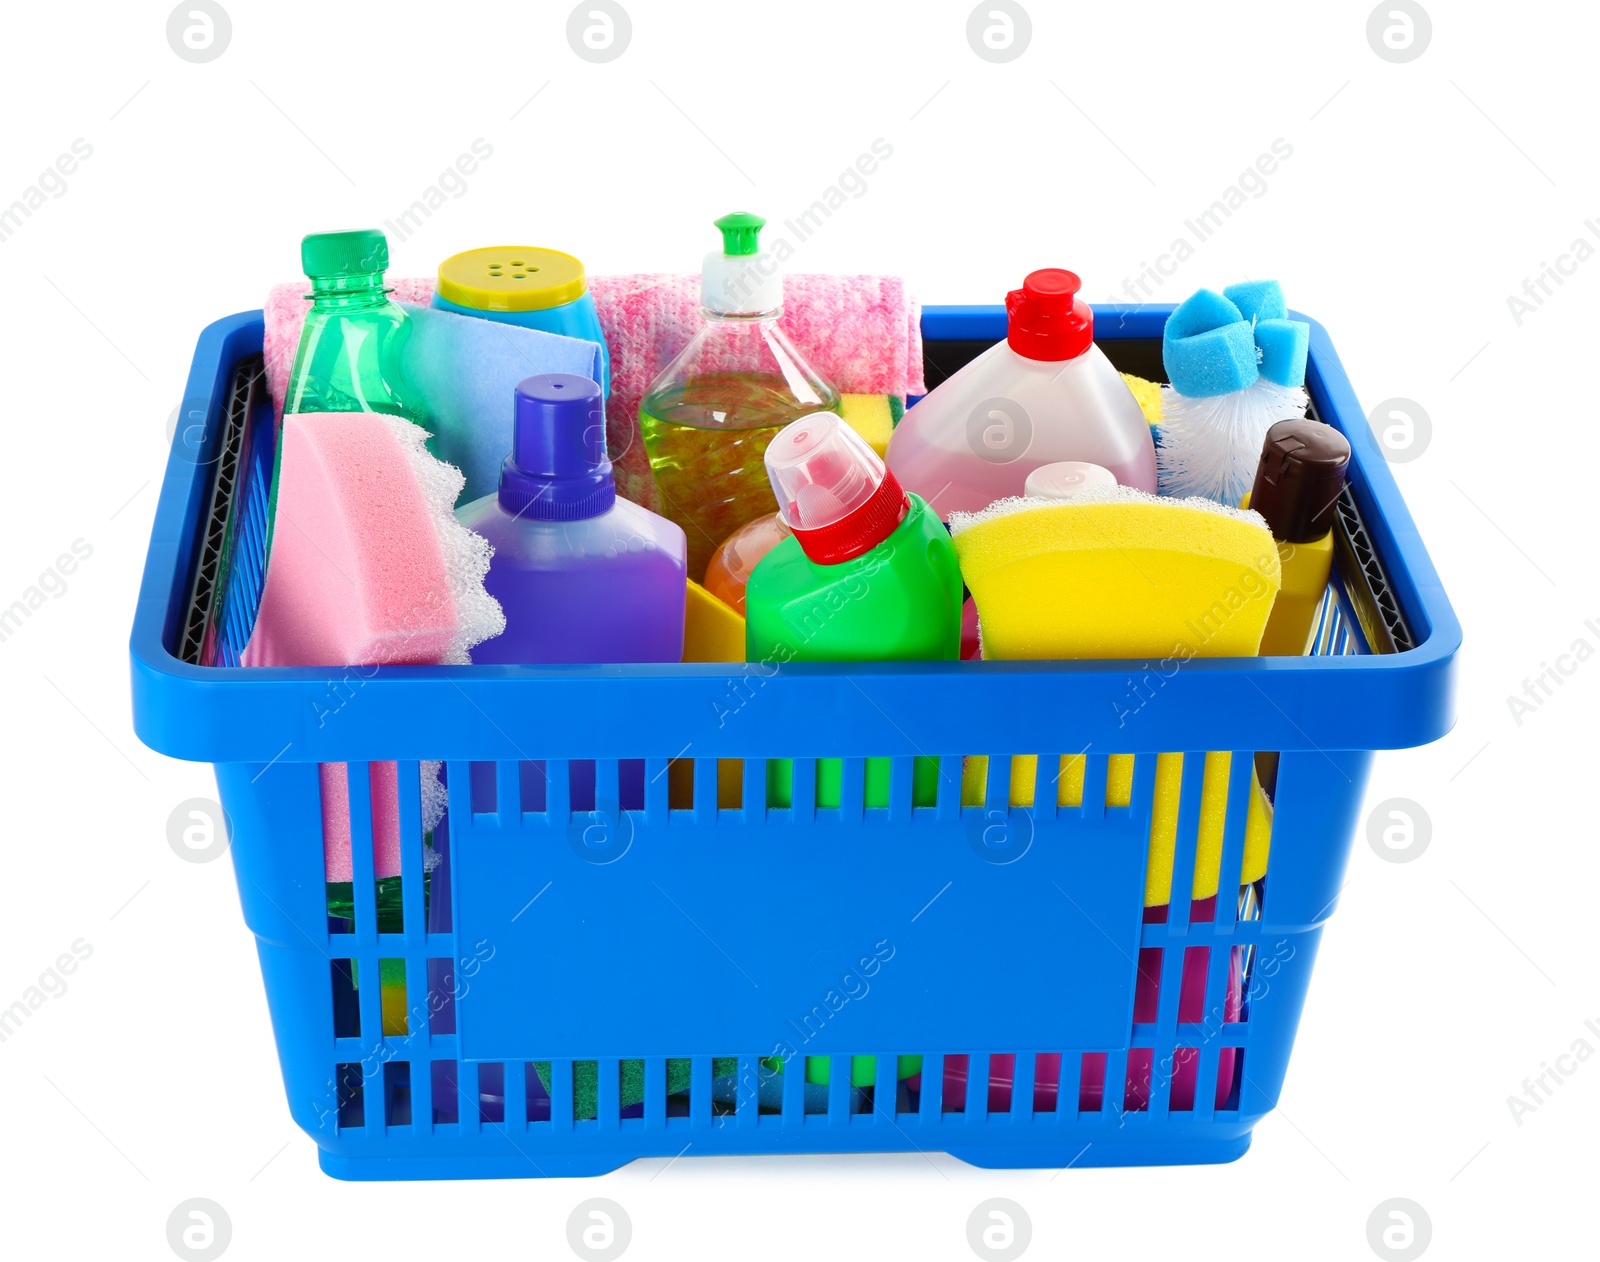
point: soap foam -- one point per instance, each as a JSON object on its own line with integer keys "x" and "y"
{"x": 960, "y": 522}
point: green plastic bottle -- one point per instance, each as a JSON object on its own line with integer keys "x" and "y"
{"x": 707, "y": 417}
{"x": 349, "y": 357}
{"x": 350, "y": 348}
{"x": 869, "y": 575}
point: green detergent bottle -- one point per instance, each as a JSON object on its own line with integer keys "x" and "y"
{"x": 869, "y": 575}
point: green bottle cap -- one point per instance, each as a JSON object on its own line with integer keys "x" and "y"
{"x": 740, "y": 231}
{"x": 344, "y": 253}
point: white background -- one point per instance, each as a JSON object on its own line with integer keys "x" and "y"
{"x": 1418, "y": 198}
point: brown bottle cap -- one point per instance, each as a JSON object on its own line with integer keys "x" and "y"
{"x": 1299, "y": 479}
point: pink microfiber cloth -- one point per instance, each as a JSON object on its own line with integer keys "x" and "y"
{"x": 863, "y": 333}
{"x": 369, "y": 567}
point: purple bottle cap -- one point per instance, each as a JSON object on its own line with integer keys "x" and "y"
{"x": 558, "y": 469}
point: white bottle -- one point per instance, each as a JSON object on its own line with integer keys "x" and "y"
{"x": 1044, "y": 395}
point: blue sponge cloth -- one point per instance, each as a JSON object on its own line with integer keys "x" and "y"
{"x": 1208, "y": 347}
{"x": 1283, "y": 344}
{"x": 1258, "y": 300}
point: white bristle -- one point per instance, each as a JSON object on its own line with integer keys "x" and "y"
{"x": 1211, "y": 447}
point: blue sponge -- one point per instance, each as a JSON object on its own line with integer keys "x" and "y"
{"x": 1201, "y": 311}
{"x": 1208, "y": 347}
{"x": 1283, "y": 346}
{"x": 1258, "y": 300}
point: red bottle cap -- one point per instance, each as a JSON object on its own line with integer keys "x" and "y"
{"x": 1045, "y": 319}
{"x": 833, "y": 491}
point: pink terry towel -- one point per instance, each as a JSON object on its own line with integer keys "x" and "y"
{"x": 863, "y": 333}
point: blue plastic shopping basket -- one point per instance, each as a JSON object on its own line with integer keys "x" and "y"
{"x": 626, "y": 952}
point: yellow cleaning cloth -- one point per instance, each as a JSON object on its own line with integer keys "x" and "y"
{"x": 1123, "y": 574}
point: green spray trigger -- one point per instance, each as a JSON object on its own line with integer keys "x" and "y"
{"x": 740, "y": 231}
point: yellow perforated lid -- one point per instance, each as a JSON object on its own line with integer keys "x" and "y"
{"x": 511, "y": 278}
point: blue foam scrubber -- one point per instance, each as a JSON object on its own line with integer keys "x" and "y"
{"x": 1283, "y": 345}
{"x": 1208, "y": 347}
{"x": 466, "y": 371}
{"x": 1258, "y": 300}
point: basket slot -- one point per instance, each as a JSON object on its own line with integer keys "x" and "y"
{"x": 351, "y": 1095}
{"x": 346, "y": 1011}
{"x": 445, "y": 1093}
{"x": 957, "y": 1066}
{"x": 1091, "y": 1079}
{"x": 397, "y": 1094}
{"x": 481, "y": 779}
{"x": 1045, "y": 1070}
{"x": 536, "y": 1099}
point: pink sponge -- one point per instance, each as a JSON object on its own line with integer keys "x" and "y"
{"x": 369, "y": 565}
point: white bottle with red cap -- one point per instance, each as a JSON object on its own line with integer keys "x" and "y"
{"x": 1044, "y": 395}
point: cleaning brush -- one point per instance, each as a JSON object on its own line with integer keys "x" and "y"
{"x": 1237, "y": 365}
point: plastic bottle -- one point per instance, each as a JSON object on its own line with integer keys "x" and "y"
{"x": 526, "y": 285}
{"x": 1297, "y": 488}
{"x": 1045, "y": 394}
{"x": 708, "y": 416}
{"x": 349, "y": 354}
{"x": 731, "y": 565}
{"x": 582, "y": 575}
{"x": 869, "y": 574}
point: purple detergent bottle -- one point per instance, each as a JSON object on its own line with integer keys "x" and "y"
{"x": 582, "y": 575}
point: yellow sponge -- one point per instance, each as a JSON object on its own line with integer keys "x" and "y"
{"x": 873, "y": 416}
{"x": 1118, "y": 573}
{"x": 1148, "y": 393}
